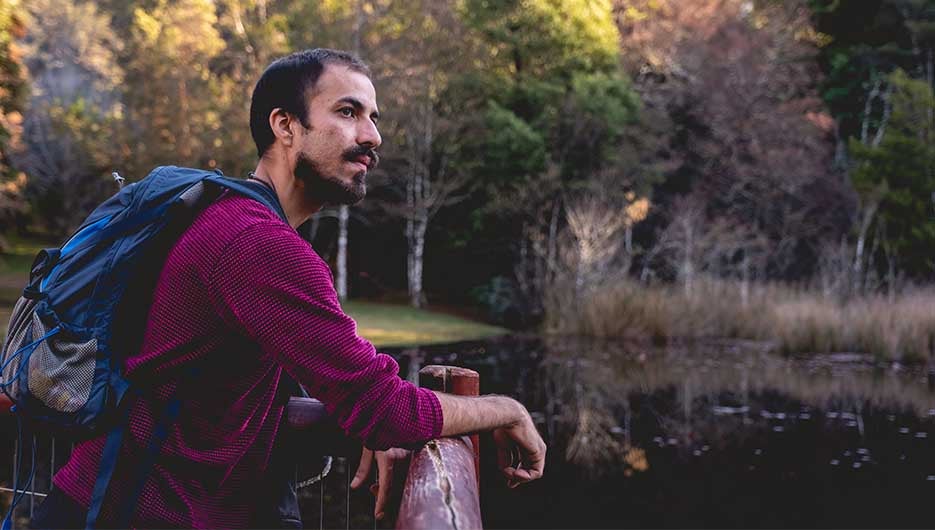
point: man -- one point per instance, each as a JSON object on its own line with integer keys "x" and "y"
{"x": 243, "y": 293}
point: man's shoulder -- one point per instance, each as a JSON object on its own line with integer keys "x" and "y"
{"x": 227, "y": 218}
{"x": 233, "y": 222}
{"x": 239, "y": 210}
{"x": 243, "y": 226}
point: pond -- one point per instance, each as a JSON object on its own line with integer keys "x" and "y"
{"x": 707, "y": 434}
{"x": 710, "y": 434}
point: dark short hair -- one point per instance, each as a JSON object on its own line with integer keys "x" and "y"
{"x": 286, "y": 83}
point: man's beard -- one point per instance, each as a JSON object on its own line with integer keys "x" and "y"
{"x": 328, "y": 189}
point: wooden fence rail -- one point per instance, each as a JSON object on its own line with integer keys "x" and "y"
{"x": 441, "y": 489}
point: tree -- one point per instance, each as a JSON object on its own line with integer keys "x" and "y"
{"x": 254, "y": 35}
{"x": 749, "y": 135}
{"x": 856, "y": 58}
{"x": 898, "y": 174}
{"x": 170, "y": 89}
{"x": 423, "y": 177}
{"x": 72, "y": 132}
{"x": 13, "y": 92}
{"x": 413, "y": 48}
{"x": 549, "y": 112}
{"x": 866, "y": 65}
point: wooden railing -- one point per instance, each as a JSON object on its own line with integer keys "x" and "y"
{"x": 440, "y": 492}
{"x": 442, "y": 488}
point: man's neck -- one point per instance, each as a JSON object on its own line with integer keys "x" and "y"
{"x": 289, "y": 191}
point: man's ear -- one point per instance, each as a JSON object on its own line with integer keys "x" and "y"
{"x": 280, "y": 122}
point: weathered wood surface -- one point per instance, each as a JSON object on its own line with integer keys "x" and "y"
{"x": 307, "y": 423}
{"x": 441, "y": 489}
{"x": 301, "y": 413}
{"x": 311, "y": 430}
{"x": 458, "y": 381}
{"x": 304, "y": 413}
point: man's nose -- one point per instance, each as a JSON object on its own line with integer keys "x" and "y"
{"x": 367, "y": 134}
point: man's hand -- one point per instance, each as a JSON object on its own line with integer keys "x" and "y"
{"x": 386, "y": 463}
{"x": 520, "y": 451}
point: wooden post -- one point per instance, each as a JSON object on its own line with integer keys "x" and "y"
{"x": 309, "y": 427}
{"x": 457, "y": 381}
{"x": 441, "y": 490}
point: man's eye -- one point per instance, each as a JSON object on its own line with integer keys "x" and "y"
{"x": 347, "y": 112}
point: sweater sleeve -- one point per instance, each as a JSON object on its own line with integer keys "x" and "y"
{"x": 272, "y": 285}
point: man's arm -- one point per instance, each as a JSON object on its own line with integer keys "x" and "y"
{"x": 513, "y": 432}
{"x": 513, "y": 429}
{"x": 271, "y": 285}
{"x": 467, "y": 414}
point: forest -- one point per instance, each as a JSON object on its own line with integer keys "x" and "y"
{"x": 755, "y": 169}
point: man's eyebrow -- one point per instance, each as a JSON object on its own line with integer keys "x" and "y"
{"x": 358, "y": 106}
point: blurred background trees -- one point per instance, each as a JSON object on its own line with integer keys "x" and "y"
{"x": 527, "y": 143}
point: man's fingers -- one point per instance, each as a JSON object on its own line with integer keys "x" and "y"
{"x": 384, "y": 481}
{"x": 503, "y": 457}
{"x": 531, "y": 466}
{"x": 535, "y": 462}
{"x": 516, "y": 476}
{"x": 363, "y": 470}
{"x": 520, "y": 453}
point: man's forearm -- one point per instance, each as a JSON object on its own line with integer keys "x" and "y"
{"x": 464, "y": 414}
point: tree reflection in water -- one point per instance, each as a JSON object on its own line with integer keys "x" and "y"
{"x": 720, "y": 434}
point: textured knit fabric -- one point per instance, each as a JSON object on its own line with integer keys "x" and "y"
{"x": 243, "y": 292}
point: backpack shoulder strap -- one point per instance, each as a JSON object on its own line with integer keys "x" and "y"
{"x": 257, "y": 192}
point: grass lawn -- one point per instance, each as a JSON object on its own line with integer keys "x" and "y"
{"x": 14, "y": 271}
{"x": 400, "y": 325}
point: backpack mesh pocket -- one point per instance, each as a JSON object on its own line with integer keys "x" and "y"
{"x": 61, "y": 370}
{"x": 14, "y": 340}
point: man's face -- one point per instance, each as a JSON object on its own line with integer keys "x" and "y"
{"x": 334, "y": 155}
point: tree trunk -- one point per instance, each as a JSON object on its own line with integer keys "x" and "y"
{"x": 930, "y": 77}
{"x": 867, "y": 219}
{"x": 840, "y": 149}
{"x": 552, "y": 252}
{"x": 416, "y": 222}
{"x": 416, "y": 251}
{"x": 628, "y": 245}
{"x": 688, "y": 265}
{"x": 341, "y": 281}
{"x": 868, "y": 110}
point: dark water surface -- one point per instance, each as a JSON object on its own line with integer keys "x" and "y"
{"x": 706, "y": 435}
{"x": 717, "y": 435}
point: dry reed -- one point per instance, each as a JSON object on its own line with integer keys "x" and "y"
{"x": 793, "y": 320}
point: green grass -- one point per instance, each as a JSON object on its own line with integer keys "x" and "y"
{"x": 383, "y": 324}
{"x": 14, "y": 271}
{"x": 18, "y": 257}
{"x": 398, "y": 325}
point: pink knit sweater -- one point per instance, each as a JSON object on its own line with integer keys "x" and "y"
{"x": 242, "y": 289}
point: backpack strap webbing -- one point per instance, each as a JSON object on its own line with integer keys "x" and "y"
{"x": 108, "y": 463}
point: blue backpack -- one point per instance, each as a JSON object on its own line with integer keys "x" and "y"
{"x": 84, "y": 309}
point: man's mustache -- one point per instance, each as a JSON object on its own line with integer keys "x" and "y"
{"x": 351, "y": 155}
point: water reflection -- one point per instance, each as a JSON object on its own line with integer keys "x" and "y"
{"x": 713, "y": 434}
